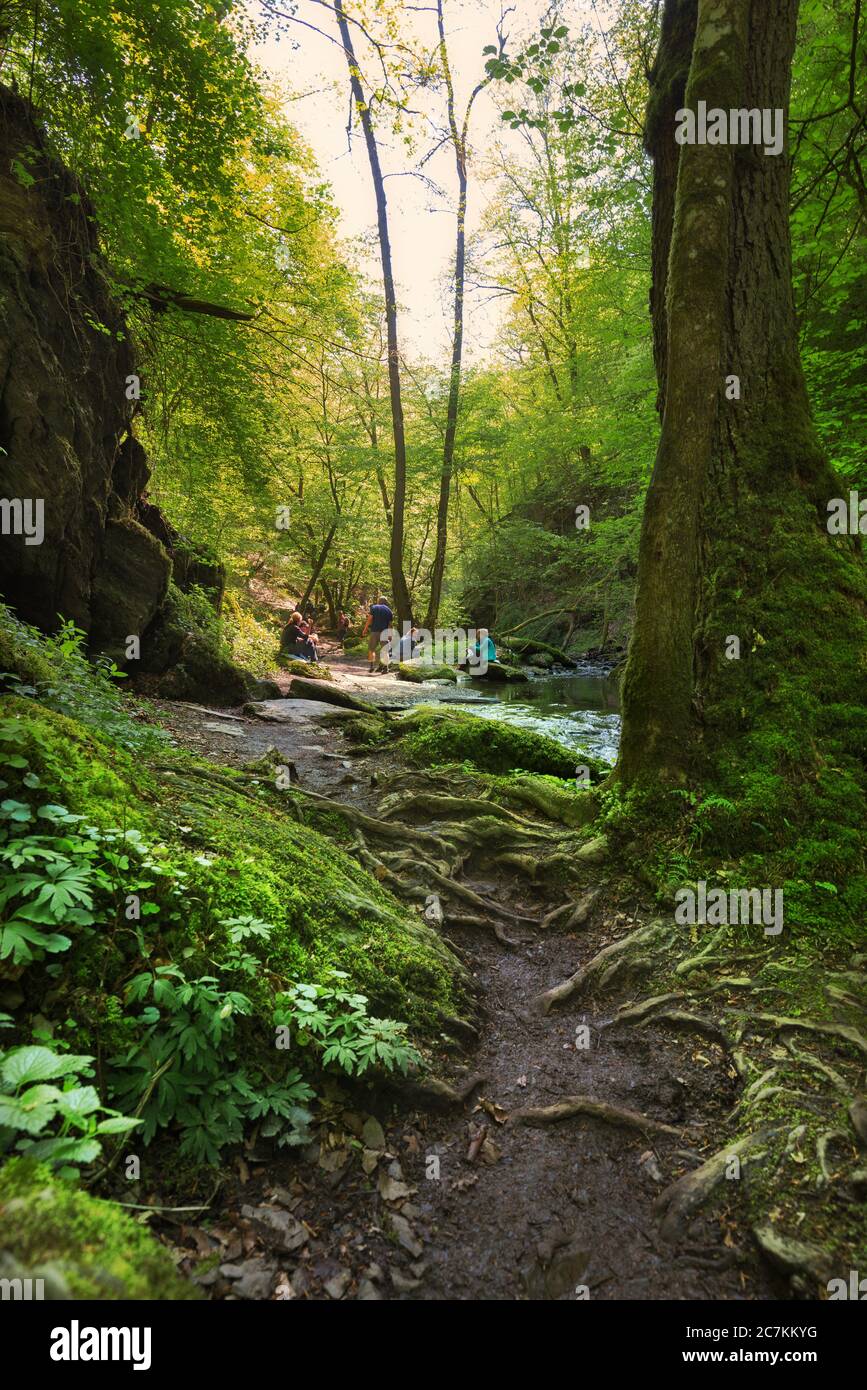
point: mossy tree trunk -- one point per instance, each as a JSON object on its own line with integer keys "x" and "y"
{"x": 734, "y": 539}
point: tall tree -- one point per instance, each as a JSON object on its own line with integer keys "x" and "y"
{"x": 400, "y": 590}
{"x": 734, "y": 540}
{"x": 458, "y": 136}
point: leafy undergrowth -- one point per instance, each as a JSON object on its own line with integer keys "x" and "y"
{"x": 184, "y": 959}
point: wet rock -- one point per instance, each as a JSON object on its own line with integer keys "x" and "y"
{"x": 373, "y": 1134}
{"x": 287, "y": 1233}
{"x": 405, "y": 1235}
{"x": 336, "y": 1286}
{"x": 368, "y": 1292}
{"x": 252, "y": 1279}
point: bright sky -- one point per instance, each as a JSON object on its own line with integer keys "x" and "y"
{"x": 313, "y": 73}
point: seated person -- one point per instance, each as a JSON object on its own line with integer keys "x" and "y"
{"x": 294, "y": 639}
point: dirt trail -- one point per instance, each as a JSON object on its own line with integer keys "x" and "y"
{"x": 504, "y": 1211}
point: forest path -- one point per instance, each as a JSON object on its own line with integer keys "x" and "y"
{"x": 496, "y": 1210}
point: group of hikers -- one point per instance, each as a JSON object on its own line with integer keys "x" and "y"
{"x": 300, "y": 638}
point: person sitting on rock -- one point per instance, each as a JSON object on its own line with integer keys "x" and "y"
{"x": 294, "y": 640}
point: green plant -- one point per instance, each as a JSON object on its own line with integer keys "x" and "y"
{"x": 60, "y": 1124}
{"x": 56, "y": 671}
{"x": 187, "y": 1069}
{"x": 337, "y": 1023}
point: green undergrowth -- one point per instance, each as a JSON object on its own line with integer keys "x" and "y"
{"x": 160, "y": 914}
{"x": 83, "y": 1248}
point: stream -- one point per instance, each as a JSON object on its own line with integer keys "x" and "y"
{"x": 580, "y": 710}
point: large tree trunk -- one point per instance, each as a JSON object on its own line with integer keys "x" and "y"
{"x": 400, "y": 591}
{"x": 734, "y": 540}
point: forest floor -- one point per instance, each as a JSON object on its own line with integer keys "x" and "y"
{"x": 460, "y": 1201}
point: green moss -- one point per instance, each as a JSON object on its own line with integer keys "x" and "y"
{"x": 429, "y": 736}
{"x": 312, "y": 669}
{"x": 556, "y": 799}
{"x": 328, "y": 911}
{"x": 21, "y": 651}
{"x": 95, "y": 1248}
{"x": 501, "y": 672}
{"x": 78, "y": 769}
{"x": 526, "y": 649}
{"x": 425, "y": 671}
{"x": 366, "y": 730}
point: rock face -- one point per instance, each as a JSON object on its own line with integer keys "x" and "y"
{"x": 106, "y": 557}
{"x": 65, "y": 419}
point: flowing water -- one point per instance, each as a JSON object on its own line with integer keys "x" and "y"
{"x": 581, "y": 710}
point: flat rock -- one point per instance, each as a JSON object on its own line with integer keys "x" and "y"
{"x": 253, "y": 1279}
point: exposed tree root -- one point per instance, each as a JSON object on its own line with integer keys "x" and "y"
{"x": 596, "y": 1109}
{"x": 438, "y": 805}
{"x": 834, "y": 1030}
{"x": 692, "y": 1023}
{"x": 430, "y": 1092}
{"x": 586, "y": 974}
{"x": 679, "y": 1202}
{"x": 637, "y": 1013}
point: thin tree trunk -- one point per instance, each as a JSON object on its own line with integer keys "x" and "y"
{"x": 459, "y": 144}
{"x": 400, "y": 592}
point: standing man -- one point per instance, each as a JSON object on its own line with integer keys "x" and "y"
{"x": 379, "y": 619}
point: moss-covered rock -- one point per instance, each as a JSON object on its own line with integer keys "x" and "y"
{"x": 185, "y": 649}
{"x": 535, "y": 652}
{"x": 429, "y": 736}
{"x": 87, "y": 1248}
{"x": 418, "y": 671}
{"x": 315, "y": 670}
{"x": 245, "y": 848}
